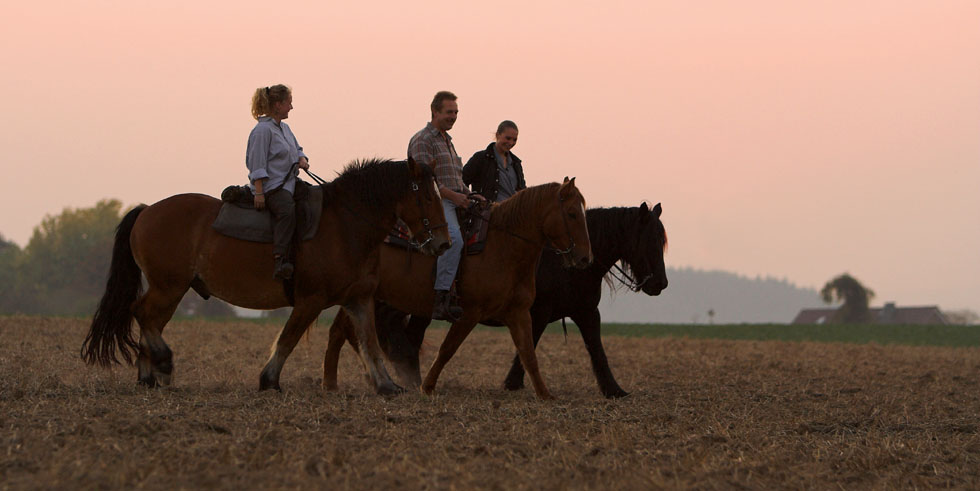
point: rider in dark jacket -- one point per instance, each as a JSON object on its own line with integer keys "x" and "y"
{"x": 496, "y": 173}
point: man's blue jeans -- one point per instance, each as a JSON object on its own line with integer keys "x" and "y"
{"x": 448, "y": 262}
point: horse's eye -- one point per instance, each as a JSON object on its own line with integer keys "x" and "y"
{"x": 571, "y": 215}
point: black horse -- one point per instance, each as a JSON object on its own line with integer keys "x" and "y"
{"x": 634, "y": 237}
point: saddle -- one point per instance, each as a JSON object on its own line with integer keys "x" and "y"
{"x": 239, "y": 219}
{"x": 474, "y": 221}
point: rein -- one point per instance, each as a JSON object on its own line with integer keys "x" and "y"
{"x": 418, "y": 200}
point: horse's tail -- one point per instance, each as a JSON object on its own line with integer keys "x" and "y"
{"x": 113, "y": 320}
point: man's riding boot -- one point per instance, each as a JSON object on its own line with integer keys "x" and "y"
{"x": 443, "y": 310}
{"x": 284, "y": 269}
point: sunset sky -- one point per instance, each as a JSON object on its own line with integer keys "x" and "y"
{"x": 798, "y": 140}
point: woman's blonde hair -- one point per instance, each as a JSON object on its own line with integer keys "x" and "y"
{"x": 265, "y": 97}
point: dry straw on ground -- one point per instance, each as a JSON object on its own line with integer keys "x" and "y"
{"x": 702, "y": 414}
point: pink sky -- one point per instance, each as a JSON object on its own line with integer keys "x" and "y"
{"x": 791, "y": 141}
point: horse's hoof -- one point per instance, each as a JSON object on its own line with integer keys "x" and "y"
{"x": 148, "y": 382}
{"x": 163, "y": 379}
{"x": 615, "y": 394}
{"x": 511, "y": 385}
{"x": 330, "y": 387}
{"x": 389, "y": 389}
{"x": 269, "y": 384}
{"x": 427, "y": 389}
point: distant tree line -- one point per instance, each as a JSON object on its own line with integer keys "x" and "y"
{"x": 63, "y": 268}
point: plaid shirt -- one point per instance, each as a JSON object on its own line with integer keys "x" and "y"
{"x": 435, "y": 149}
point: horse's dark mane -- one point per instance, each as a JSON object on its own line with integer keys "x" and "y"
{"x": 513, "y": 212}
{"x": 616, "y": 229}
{"x": 372, "y": 183}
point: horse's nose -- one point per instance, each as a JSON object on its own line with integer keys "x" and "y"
{"x": 442, "y": 247}
{"x": 584, "y": 261}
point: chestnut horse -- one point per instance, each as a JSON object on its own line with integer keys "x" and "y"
{"x": 173, "y": 245}
{"x": 633, "y": 237}
{"x": 497, "y": 283}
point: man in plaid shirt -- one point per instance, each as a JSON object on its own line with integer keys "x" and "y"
{"x": 433, "y": 146}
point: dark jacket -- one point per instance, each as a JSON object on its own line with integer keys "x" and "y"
{"x": 480, "y": 172}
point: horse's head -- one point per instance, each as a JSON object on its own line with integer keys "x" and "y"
{"x": 421, "y": 210}
{"x": 565, "y": 227}
{"x": 645, "y": 257}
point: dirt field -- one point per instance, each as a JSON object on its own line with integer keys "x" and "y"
{"x": 702, "y": 414}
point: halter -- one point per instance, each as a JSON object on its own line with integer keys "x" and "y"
{"x": 418, "y": 200}
{"x": 628, "y": 281}
{"x": 425, "y": 221}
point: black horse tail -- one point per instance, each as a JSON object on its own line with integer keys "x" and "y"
{"x": 113, "y": 320}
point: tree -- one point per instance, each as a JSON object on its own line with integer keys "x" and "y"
{"x": 854, "y": 295}
{"x": 9, "y": 258}
{"x": 63, "y": 268}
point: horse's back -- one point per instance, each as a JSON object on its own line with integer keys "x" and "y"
{"x": 173, "y": 229}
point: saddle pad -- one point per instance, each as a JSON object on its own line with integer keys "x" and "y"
{"x": 256, "y": 226}
{"x": 474, "y": 223}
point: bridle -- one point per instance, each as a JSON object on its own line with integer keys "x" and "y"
{"x": 425, "y": 221}
{"x": 628, "y": 280}
{"x": 568, "y": 231}
{"x": 429, "y": 235}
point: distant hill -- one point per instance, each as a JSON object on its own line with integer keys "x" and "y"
{"x": 691, "y": 293}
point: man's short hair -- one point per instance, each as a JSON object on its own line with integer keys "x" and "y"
{"x": 442, "y": 95}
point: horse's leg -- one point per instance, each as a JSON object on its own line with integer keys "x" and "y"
{"x": 303, "y": 315}
{"x": 519, "y": 324}
{"x": 331, "y": 357}
{"x": 361, "y": 313}
{"x": 454, "y": 338}
{"x": 402, "y": 346}
{"x": 152, "y": 312}
{"x": 539, "y": 321}
{"x": 589, "y": 324}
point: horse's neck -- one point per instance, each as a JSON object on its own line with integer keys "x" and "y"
{"x": 607, "y": 252}
{"x": 359, "y": 222}
{"x": 527, "y": 233}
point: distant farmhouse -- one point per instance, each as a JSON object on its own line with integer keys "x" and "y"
{"x": 889, "y": 314}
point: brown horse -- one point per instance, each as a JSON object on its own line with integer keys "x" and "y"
{"x": 496, "y": 284}
{"x": 173, "y": 245}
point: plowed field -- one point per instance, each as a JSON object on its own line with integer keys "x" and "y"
{"x": 702, "y": 414}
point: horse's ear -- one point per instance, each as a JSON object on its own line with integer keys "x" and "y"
{"x": 657, "y": 210}
{"x": 566, "y": 188}
{"x": 644, "y": 213}
{"x": 413, "y": 168}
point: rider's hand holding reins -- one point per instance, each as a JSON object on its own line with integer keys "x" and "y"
{"x": 259, "y": 201}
